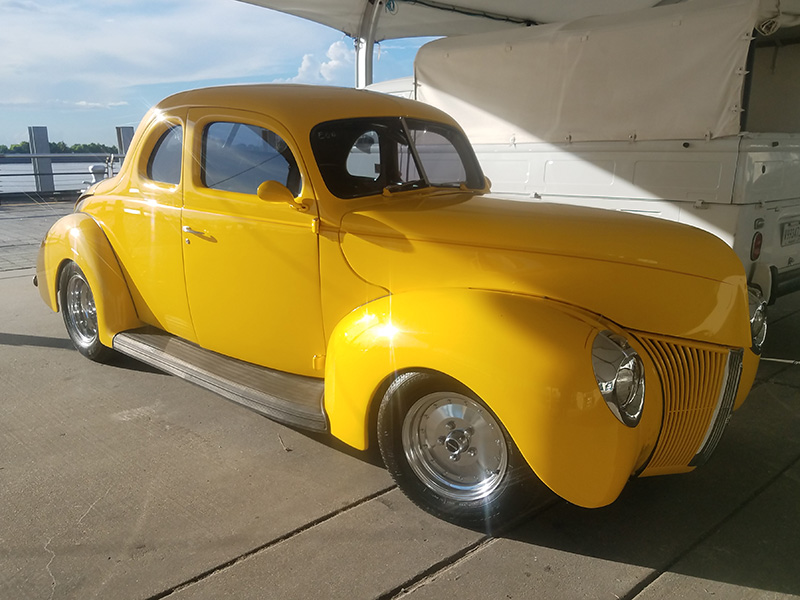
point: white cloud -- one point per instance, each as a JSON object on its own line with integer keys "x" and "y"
{"x": 26, "y": 5}
{"x": 103, "y": 105}
{"x": 341, "y": 59}
{"x": 337, "y": 69}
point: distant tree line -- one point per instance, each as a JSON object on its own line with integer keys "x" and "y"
{"x": 61, "y": 148}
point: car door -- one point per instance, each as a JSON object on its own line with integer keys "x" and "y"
{"x": 251, "y": 266}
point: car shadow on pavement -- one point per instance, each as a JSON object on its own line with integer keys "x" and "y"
{"x": 122, "y": 361}
{"x": 370, "y": 456}
{"x": 15, "y": 339}
{"x": 735, "y": 520}
{"x": 118, "y": 360}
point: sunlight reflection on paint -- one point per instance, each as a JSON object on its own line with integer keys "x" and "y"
{"x": 369, "y": 324}
{"x": 386, "y": 331}
{"x": 367, "y": 320}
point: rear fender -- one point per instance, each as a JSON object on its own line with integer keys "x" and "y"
{"x": 529, "y": 359}
{"x": 78, "y": 238}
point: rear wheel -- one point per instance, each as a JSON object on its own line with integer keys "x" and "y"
{"x": 80, "y": 314}
{"x": 451, "y": 456}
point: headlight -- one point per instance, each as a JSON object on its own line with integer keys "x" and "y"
{"x": 620, "y": 376}
{"x": 758, "y": 319}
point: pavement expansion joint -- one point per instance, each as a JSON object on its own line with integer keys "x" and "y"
{"x": 271, "y": 544}
{"x": 430, "y": 574}
{"x": 791, "y": 386}
{"x": 452, "y": 561}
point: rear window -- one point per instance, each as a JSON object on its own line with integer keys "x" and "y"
{"x": 165, "y": 161}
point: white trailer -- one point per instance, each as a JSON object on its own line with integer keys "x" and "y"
{"x": 688, "y": 111}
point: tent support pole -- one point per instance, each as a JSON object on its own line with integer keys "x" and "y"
{"x": 365, "y": 44}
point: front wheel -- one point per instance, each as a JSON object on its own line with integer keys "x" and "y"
{"x": 451, "y": 455}
{"x": 80, "y": 314}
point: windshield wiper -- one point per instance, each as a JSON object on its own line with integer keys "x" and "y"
{"x": 405, "y": 186}
{"x": 452, "y": 185}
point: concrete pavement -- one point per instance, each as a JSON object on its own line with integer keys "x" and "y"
{"x": 117, "y": 481}
{"x": 22, "y": 227}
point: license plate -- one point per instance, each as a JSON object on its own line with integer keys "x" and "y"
{"x": 790, "y": 233}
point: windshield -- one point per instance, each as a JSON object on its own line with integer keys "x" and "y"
{"x": 361, "y": 157}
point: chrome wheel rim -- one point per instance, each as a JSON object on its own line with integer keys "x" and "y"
{"x": 455, "y": 446}
{"x": 81, "y": 311}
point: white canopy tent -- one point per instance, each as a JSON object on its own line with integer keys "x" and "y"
{"x": 370, "y": 21}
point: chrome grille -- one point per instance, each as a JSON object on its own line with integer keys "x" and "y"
{"x": 733, "y": 373}
{"x": 699, "y": 385}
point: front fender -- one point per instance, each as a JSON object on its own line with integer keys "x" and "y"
{"x": 77, "y": 237}
{"x": 528, "y": 358}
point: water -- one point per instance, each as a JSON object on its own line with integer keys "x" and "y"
{"x": 66, "y": 176}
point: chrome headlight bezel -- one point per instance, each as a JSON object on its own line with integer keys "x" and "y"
{"x": 758, "y": 318}
{"x": 619, "y": 372}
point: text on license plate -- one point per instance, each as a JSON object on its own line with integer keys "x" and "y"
{"x": 790, "y": 233}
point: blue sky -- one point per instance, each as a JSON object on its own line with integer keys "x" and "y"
{"x": 83, "y": 67}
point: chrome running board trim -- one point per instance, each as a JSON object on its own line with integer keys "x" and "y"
{"x": 291, "y": 399}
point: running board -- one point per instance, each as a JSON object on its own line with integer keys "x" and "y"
{"x": 291, "y": 399}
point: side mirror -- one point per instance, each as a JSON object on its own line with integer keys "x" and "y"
{"x": 272, "y": 191}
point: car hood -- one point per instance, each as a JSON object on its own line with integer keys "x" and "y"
{"x": 641, "y": 272}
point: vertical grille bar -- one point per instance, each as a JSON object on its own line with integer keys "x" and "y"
{"x": 733, "y": 373}
{"x": 699, "y": 384}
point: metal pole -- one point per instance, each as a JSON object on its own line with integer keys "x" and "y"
{"x": 42, "y": 167}
{"x": 365, "y": 44}
{"x": 785, "y": 361}
{"x": 124, "y": 137}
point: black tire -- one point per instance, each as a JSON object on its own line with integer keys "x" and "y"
{"x": 452, "y": 457}
{"x": 80, "y": 314}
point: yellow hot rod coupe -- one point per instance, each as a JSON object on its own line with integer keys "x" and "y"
{"x": 331, "y": 259}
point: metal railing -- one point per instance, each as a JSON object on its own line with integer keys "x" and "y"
{"x": 52, "y": 173}
{"x": 37, "y": 174}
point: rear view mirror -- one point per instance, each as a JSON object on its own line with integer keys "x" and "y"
{"x": 272, "y": 191}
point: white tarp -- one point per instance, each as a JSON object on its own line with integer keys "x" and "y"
{"x": 670, "y": 72}
{"x": 417, "y": 18}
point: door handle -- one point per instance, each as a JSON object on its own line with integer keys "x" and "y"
{"x": 202, "y": 234}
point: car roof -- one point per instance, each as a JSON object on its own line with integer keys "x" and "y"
{"x": 304, "y": 105}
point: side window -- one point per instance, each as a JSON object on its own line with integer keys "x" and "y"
{"x": 239, "y": 158}
{"x": 364, "y": 159}
{"x": 165, "y": 161}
